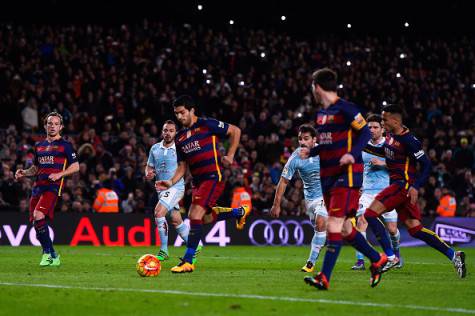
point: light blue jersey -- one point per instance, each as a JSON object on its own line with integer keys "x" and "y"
{"x": 309, "y": 171}
{"x": 375, "y": 178}
{"x": 165, "y": 163}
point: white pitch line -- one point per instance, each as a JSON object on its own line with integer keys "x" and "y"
{"x": 249, "y": 296}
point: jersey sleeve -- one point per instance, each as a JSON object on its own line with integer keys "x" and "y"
{"x": 216, "y": 127}
{"x": 414, "y": 149}
{"x": 353, "y": 115}
{"x": 70, "y": 153}
{"x": 151, "y": 158}
{"x": 289, "y": 168}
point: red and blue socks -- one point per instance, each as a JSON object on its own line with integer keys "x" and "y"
{"x": 334, "y": 243}
{"x": 359, "y": 242}
{"x": 194, "y": 237}
{"x": 380, "y": 231}
{"x": 42, "y": 234}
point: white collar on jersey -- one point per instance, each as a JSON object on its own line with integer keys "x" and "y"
{"x": 171, "y": 147}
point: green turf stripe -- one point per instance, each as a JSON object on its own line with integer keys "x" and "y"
{"x": 249, "y": 296}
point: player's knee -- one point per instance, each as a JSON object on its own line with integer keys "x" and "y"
{"x": 320, "y": 224}
{"x": 176, "y": 219}
{"x": 160, "y": 211}
{"x": 369, "y": 213}
{"x": 38, "y": 216}
{"x": 413, "y": 230}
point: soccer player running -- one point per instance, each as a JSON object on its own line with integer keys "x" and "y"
{"x": 402, "y": 152}
{"x": 161, "y": 165}
{"x": 375, "y": 179}
{"x": 54, "y": 160}
{"x": 196, "y": 146}
{"x": 309, "y": 171}
{"x": 342, "y": 136}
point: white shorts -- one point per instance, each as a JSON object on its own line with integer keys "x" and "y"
{"x": 316, "y": 208}
{"x": 170, "y": 198}
{"x": 365, "y": 201}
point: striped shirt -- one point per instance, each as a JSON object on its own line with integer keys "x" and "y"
{"x": 51, "y": 158}
{"x": 197, "y": 146}
{"x": 402, "y": 152}
{"x": 342, "y": 129}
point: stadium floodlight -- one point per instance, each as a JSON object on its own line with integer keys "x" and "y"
{"x": 385, "y": 103}
{"x": 299, "y": 114}
{"x": 200, "y": 7}
{"x": 340, "y": 86}
{"x": 208, "y": 81}
{"x": 241, "y": 83}
{"x": 283, "y": 18}
{"x": 263, "y": 54}
{"x": 473, "y": 85}
{"x": 398, "y": 75}
{"x": 406, "y": 24}
{"x": 204, "y": 71}
{"x": 231, "y": 22}
{"x": 348, "y": 25}
{"x": 348, "y": 63}
{"x": 402, "y": 56}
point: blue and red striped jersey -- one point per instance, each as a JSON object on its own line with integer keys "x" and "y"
{"x": 341, "y": 129}
{"x": 197, "y": 146}
{"x": 51, "y": 158}
{"x": 402, "y": 152}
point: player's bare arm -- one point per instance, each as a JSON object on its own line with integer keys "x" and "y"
{"x": 30, "y": 172}
{"x": 279, "y": 192}
{"x": 179, "y": 173}
{"x": 73, "y": 168}
{"x": 149, "y": 172}
{"x": 378, "y": 162}
{"x": 234, "y": 134}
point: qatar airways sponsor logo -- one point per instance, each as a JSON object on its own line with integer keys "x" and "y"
{"x": 325, "y": 138}
{"x": 191, "y": 147}
{"x": 46, "y": 160}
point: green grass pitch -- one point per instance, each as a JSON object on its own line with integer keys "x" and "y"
{"x": 236, "y": 280}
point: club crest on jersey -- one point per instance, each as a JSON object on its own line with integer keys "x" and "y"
{"x": 322, "y": 119}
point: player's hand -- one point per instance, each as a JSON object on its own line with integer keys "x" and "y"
{"x": 150, "y": 174}
{"x": 377, "y": 162}
{"x": 227, "y": 160}
{"x": 162, "y": 185}
{"x": 347, "y": 159}
{"x": 304, "y": 152}
{"x": 275, "y": 211}
{"x": 20, "y": 173}
{"x": 55, "y": 176}
{"x": 413, "y": 193}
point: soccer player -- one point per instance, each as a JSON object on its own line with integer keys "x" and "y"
{"x": 54, "y": 160}
{"x": 375, "y": 179}
{"x": 402, "y": 152}
{"x": 309, "y": 171}
{"x": 196, "y": 146}
{"x": 161, "y": 165}
{"x": 343, "y": 133}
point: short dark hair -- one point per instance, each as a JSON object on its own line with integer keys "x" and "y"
{"x": 375, "y": 118}
{"x": 53, "y": 114}
{"x": 184, "y": 100}
{"x": 393, "y": 109}
{"x": 305, "y": 128}
{"x": 169, "y": 122}
{"x": 326, "y": 79}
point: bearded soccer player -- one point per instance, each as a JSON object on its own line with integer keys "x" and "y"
{"x": 54, "y": 160}
{"x": 197, "y": 149}
{"x": 375, "y": 179}
{"x": 161, "y": 165}
{"x": 309, "y": 172}
{"x": 402, "y": 152}
{"x": 343, "y": 133}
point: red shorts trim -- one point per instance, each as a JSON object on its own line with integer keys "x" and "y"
{"x": 342, "y": 201}
{"x": 206, "y": 193}
{"x": 43, "y": 203}
{"x": 395, "y": 197}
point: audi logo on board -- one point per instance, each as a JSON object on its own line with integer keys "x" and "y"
{"x": 280, "y": 232}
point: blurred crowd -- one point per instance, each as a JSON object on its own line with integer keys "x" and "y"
{"x": 114, "y": 86}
